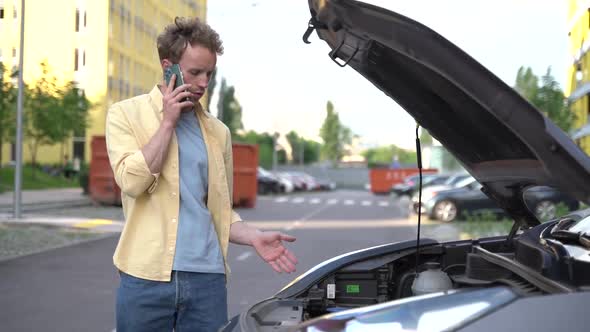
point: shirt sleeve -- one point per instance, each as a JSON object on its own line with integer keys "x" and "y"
{"x": 131, "y": 171}
{"x": 229, "y": 172}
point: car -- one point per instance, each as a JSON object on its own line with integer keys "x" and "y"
{"x": 267, "y": 182}
{"x": 410, "y": 184}
{"x": 467, "y": 199}
{"x": 535, "y": 278}
{"x": 427, "y": 191}
{"x": 287, "y": 185}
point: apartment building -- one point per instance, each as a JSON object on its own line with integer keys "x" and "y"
{"x": 108, "y": 47}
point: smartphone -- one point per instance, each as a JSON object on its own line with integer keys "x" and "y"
{"x": 174, "y": 69}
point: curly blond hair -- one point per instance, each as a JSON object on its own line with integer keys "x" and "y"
{"x": 176, "y": 36}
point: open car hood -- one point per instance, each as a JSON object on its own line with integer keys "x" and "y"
{"x": 501, "y": 139}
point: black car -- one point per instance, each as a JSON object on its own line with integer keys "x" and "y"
{"x": 410, "y": 184}
{"x": 468, "y": 199}
{"x": 536, "y": 278}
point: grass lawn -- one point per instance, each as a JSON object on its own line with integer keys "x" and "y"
{"x": 41, "y": 180}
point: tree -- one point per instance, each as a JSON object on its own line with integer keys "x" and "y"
{"x": 42, "y": 103}
{"x": 296, "y": 145}
{"x": 311, "y": 151}
{"x": 383, "y": 156}
{"x": 552, "y": 101}
{"x": 229, "y": 109}
{"x": 334, "y": 135}
{"x": 281, "y": 156}
{"x": 310, "y": 148}
{"x": 527, "y": 83}
{"x": 265, "y": 146}
{"x": 7, "y": 109}
{"x": 73, "y": 114}
{"x": 548, "y": 97}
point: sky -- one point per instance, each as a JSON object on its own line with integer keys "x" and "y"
{"x": 283, "y": 84}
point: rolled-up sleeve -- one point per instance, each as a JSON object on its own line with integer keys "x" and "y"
{"x": 131, "y": 171}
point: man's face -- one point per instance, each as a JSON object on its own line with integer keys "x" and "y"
{"x": 197, "y": 64}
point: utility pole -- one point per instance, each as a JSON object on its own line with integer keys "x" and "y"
{"x": 301, "y": 152}
{"x": 275, "y": 136}
{"x": 19, "y": 120}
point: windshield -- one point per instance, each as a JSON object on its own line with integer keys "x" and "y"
{"x": 454, "y": 180}
{"x": 465, "y": 182}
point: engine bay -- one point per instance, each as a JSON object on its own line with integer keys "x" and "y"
{"x": 533, "y": 263}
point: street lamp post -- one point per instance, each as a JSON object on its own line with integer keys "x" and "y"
{"x": 19, "y": 120}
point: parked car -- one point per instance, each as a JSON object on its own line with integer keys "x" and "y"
{"x": 267, "y": 182}
{"x": 468, "y": 199}
{"x": 536, "y": 278}
{"x": 427, "y": 191}
{"x": 287, "y": 185}
{"x": 410, "y": 184}
{"x": 326, "y": 184}
{"x": 298, "y": 182}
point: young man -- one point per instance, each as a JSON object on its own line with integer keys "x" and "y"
{"x": 173, "y": 162}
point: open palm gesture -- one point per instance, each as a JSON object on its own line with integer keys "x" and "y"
{"x": 269, "y": 246}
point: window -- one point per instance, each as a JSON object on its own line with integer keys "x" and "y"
{"x": 84, "y": 18}
{"x": 84, "y": 58}
{"x": 78, "y": 147}
{"x": 76, "y": 54}
{"x": 77, "y": 20}
{"x": 1, "y": 13}
{"x": 14, "y": 52}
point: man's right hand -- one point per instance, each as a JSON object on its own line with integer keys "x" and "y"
{"x": 173, "y": 103}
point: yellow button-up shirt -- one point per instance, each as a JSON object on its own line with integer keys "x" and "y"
{"x": 151, "y": 201}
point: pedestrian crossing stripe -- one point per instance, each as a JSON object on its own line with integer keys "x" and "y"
{"x": 332, "y": 201}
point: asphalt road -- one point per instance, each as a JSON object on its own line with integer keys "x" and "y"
{"x": 73, "y": 288}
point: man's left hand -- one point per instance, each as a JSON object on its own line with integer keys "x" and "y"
{"x": 269, "y": 246}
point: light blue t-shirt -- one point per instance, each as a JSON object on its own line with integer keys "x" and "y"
{"x": 197, "y": 246}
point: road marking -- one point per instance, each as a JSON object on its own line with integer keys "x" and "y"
{"x": 244, "y": 256}
{"x": 383, "y": 203}
{"x": 332, "y": 201}
{"x": 93, "y": 223}
{"x": 281, "y": 199}
{"x": 366, "y": 203}
{"x": 298, "y": 200}
{"x": 315, "y": 201}
{"x": 338, "y": 224}
{"x": 349, "y": 202}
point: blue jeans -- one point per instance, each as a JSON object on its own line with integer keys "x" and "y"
{"x": 189, "y": 302}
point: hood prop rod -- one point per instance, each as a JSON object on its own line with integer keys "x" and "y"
{"x": 419, "y": 161}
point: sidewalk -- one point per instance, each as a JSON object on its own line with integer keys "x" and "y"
{"x": 35, "y": 204}
{"x": 41, "y": 199}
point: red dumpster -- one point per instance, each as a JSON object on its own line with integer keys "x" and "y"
{"x": 245, "y": 174}
{"x": 382, "y": 179}
{"x": 101, "y": 181}
{"x": 104, "y": 190}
